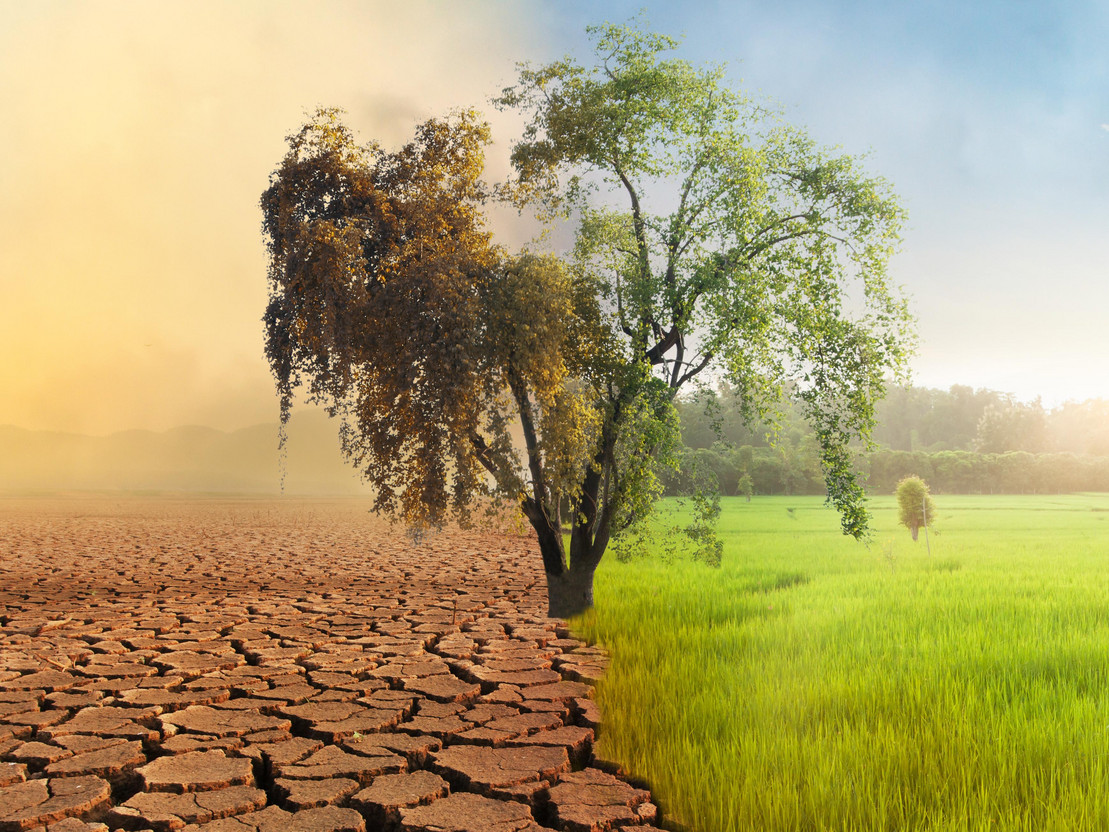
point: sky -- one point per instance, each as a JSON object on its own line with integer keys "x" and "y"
{"x": 137, "y": 137}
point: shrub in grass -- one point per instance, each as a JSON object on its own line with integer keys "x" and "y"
{"x": 745, "y": 487}
{"x": 915, "y": 505}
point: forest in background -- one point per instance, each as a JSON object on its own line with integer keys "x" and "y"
{"x": 960, "y": 440}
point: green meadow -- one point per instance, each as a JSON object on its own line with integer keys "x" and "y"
{"x": 816, "y": 683}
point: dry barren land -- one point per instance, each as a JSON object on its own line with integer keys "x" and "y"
{"x": 265, "y": 665}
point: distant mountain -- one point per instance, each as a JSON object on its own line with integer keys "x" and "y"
{"x": 192, "y": 459}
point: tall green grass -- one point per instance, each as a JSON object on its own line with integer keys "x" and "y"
{"x": 814, "y": 683}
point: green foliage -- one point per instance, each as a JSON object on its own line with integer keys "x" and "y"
{"x": 1080, "y": 428}
{"x": 941, "y": 425}
{"x": 914, "y": 504}
{"x": 966, "y": 472}
{"x": 784, "y": 469}
{"x": 690, "y": 535}
{"x": 745, "y": 486}
{"x": 919, "y": 419}
{"x": 751, "y": 274}
{"x": 1009, "y": 425}
{"x": 701, "y": 531}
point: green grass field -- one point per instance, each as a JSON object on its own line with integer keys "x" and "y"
{"x": 814, "y": 683}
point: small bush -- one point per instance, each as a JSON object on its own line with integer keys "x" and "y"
{"x": 915, "y": 505}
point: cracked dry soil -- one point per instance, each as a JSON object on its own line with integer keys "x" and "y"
{"x": 268, "y": 665}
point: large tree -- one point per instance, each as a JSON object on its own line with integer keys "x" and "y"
{"x": 713, "y": 241}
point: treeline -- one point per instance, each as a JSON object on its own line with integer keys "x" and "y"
{"x": 962, "y": 419}
{"x": 969, "y": 472}
{"x": 748, "y": 470}
{"x": 960, "y": 441}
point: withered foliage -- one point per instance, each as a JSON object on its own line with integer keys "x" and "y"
{"x": 378, "y": 263}
{"x": 391, "y": 306}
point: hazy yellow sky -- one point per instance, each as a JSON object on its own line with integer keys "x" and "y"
{"x": 137, "y": 137}
{"x": 135, "y": 141}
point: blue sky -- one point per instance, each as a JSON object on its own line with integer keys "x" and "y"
{"x": 138, "y": 136}
{"x": 992, "y": 121}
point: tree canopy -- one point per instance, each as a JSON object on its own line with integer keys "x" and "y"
{"x": 375, "y": 262}
{"x": 713, "y": 242}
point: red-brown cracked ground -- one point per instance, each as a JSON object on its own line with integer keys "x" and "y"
{"x": 257, "y": 665}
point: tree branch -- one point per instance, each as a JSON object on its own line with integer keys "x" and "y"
{"x": 482, "y": 447}
{"x": 654, "y": 354}
{"x": 531, "y": 439}
{"x": 677, "y": 362}
{"x": 693, "y": 371}
{"x": 620, "y": 308}
{"x": 679, "y": 222}
{"x": 638, "y": 223}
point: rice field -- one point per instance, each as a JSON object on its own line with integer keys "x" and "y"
{"x": 814, "y": 683}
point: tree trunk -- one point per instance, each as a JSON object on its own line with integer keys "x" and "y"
{"x": 915, "y": 530}
{"x": 570, "y": 593}
{"x": 569, "y": 580}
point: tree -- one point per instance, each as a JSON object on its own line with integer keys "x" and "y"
{"x": 915, "y": 505}
{"x": 917, "y": 418}
{"x": 1081, "y": 427}
{"x": 1009, "y": 425}
{"x": 745, "y": 487}
{"x": 766, "y": 265}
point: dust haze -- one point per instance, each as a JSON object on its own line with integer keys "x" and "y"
{"x": 136, "y": 141}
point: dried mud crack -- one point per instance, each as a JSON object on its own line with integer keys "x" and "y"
{"x": 258, "y": 666}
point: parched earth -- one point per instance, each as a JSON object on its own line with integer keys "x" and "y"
{"x": 263, "y": 665}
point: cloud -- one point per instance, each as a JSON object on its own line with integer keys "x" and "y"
{"x": 1105, "y": 127}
